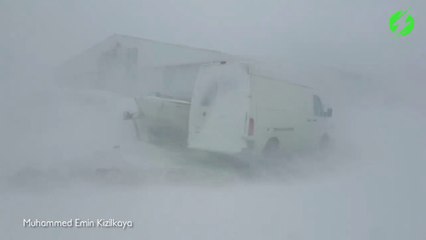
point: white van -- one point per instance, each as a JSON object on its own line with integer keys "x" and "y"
{"x": 235, "y": 110}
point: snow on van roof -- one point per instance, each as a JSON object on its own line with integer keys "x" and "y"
{"x": 276, "y": 74}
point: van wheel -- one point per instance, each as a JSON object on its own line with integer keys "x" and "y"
{"x": 324, "y": 143}
{"x": 271, "y": 149}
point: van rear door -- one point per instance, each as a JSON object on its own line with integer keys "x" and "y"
{"x": 218, "y": 117}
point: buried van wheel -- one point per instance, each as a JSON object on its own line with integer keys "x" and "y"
{"x": 324, "y": 143}
{"x": 271, "y": 149}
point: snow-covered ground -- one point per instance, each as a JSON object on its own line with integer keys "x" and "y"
{"x": 68, "y": 154}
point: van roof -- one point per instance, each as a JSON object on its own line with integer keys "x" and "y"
{"x": 260, "y": 69}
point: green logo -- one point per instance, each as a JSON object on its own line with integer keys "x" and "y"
{"x": 400, "y": 28}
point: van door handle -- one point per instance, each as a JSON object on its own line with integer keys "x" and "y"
{"x": 311, "y": 119}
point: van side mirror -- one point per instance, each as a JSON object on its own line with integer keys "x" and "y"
{"x": 329, "y": 112}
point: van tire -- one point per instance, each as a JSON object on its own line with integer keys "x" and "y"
{"x": 271, "y": 149}
{"x": 324, "y": 143}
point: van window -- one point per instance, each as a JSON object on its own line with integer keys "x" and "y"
{"x": 178, "y": 81}
{"x": 318, "y": 108}
{"x": 209, "y": 95}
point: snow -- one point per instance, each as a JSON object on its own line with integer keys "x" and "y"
{"x": 70, "y": 155}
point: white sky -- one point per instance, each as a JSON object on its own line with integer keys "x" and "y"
{"x": 354, "y": 35}
{"x": 334, "y": 31}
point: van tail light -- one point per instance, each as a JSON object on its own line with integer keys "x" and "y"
{"x": 251, "y": 127}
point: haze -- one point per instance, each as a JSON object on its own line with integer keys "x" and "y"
{"x": 55, "y": 142}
